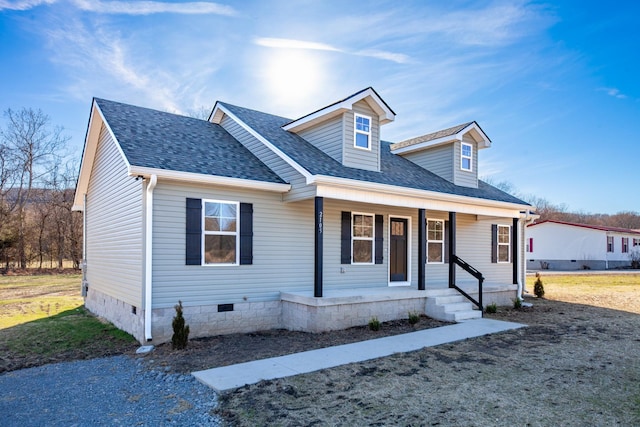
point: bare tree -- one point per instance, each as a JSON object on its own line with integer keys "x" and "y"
{"x": 36, "y": 149}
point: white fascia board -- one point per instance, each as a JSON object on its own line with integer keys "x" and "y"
{"x": 485, "y": 143}
{"x": 308, "y": 176}
{"x": 96, "y": 120}
{"x": 197, "y": 178}
{"x": 346, "y": 189}
{"x": 385, "y": 114}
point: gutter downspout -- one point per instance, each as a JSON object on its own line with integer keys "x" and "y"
{"x": 528, "y": 218}
{"x": 84, "y": 285}
{"x": 148, "y": 266}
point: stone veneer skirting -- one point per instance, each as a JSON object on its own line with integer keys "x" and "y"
{"x": 117, "y": 312}
{"x": 294, "y": 311}
{"x": 345, "y": 309}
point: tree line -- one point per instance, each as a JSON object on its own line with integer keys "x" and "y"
{"x": 560, "y": 212}
{"x": 37, "y": 227}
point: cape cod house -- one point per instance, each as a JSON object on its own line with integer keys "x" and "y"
{"x": 256, "y": 221}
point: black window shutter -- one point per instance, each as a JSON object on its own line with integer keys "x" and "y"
{"x": 345, "y": 239}
{"x": 246, "y": 233}
{"x": 379, "y": 222}
{"x": 494, "y": 243}
{"x": 446, "y": 242}
{"x": 194, "y": 232}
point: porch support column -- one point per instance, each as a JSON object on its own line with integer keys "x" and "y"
{"x": 452, "y": 248}
{"x": 515, "y": 248}
{"x": 422, "y": 248}
{"x": 319, "y": 225}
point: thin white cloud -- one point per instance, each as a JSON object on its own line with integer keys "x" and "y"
{"x": 399, "y": 58}
{"x": 129, "y": 7}
{"x": 23, "y": 5}
{"x": 151, "y": 7}
{"x": 306, "y": 45}
{"x": 294, "y": 44}
{"x": 612, "y": 91}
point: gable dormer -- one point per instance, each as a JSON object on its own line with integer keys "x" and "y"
{"x": 450, "y": 153}
{"x": 348, "y": 130}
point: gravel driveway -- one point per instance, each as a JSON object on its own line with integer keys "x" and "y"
{"x": 114, "y": 391}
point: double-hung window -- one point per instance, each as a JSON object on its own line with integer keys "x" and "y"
{"x": 466, "y": 157}
{"x": 435, "y": 241}
{"x": 362, "y": 135}
{"x": 609, "y": 243}
{"x": 362, "y": 238}
{"x": 221, "y": 237}
{"x": 625, "y": 245}
{"x": 504, "y": 243}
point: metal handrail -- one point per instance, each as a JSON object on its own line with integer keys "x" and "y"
{"x": 475, "y": 273}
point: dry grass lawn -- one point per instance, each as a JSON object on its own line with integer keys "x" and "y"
{"x": 28, "y": 298}
{"x": 576, "y": 364}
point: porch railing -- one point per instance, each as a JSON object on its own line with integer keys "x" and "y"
{"x": 475, "y": 273}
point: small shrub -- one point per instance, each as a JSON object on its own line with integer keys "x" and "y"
{"x": 374, "y": 324}
{"x": 491, "y": 308}
{"x": 180, "y": 337}
{"x": 413, "y": 317}
{"x": 538, "y": 287}
{"x": 517, "y": 303}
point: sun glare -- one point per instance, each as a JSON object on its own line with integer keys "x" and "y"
{"x": 293, "y": 76}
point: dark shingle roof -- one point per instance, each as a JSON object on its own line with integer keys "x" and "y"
{"x": 160, "y": 140}
{"x": 394, "y": 169}
{"x": 430, "y": 136}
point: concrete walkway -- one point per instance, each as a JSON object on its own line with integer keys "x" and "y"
{"x": 234, "y": 376}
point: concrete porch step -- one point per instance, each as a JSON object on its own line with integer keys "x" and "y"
{"x": 450, "y": 306}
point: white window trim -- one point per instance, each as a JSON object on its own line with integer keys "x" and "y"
{"x": 356, "y": 131}
{"x": 435, "y": 241}
{"x": 610, "y": 244}
{"x": 372, "y": 239}
{"x": 221, "y": 233}
{"x": 408, "y": 282}
{"x": 625, "y": 245}
{"x": 508, "y": 244}
{"x": 470, "y": 157}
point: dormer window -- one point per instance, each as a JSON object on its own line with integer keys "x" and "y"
{"x": 362, "y": 128}
{"x": 466, "y": 157}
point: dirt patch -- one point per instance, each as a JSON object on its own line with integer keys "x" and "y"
{"x": 212, "y": 352}
{"x": 574, "y": 365}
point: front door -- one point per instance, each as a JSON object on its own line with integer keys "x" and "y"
{"x": 398, "y": 250}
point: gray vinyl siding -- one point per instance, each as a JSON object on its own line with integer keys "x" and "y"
{"x": 327, "y": 137}
{"x": 358, "y": 275}
{"x": 114, "y": 226}
{"x": 473, "y": 245}
{"x": 462, "y": 177}
{"x": 283, "y": 249}
{"x": 299, "y": 188}
{"x": 357, "y": 157}
{"x": 439, "y": 160}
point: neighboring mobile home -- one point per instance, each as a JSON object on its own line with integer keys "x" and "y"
{"x": 558, "y": 245}
{"x": 257, "y": 222}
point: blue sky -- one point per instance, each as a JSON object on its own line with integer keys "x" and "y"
{"x": 554, "y": 84}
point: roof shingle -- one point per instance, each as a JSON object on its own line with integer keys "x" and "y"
{"x": 155, "y": 139}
